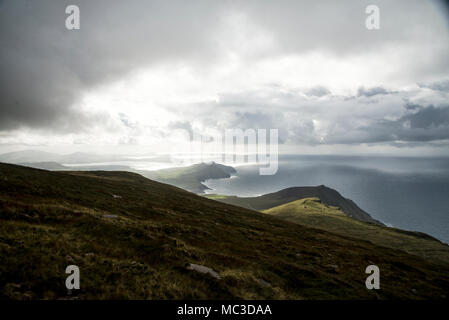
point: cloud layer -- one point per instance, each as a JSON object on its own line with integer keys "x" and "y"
{"x": 138, "y": 70}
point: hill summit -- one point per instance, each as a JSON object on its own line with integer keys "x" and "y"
{"x": 327, "y": 195}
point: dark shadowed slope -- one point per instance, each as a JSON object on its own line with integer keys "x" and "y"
{"x": 135, "y": 238}
{"x": 327, "y": 195}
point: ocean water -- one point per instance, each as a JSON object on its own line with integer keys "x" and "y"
{"x": 407, "y": 193}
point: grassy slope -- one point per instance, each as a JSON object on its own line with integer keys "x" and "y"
{"x": 327, "y": 195}
{"x": 49, "y": 220}
{"x": 312, "y": 212}
{"x": 190, "y": 178}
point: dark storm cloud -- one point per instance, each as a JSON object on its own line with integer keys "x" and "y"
{"x": 318, "y": 91}
{"x": 438, "y": 86}
{"x": 412, "y": 106}
{"x": 313, "y": 126}
{"x": 45, "y": 68}
{"x": 339, "y": 120}
{"x": 427, "y": 118}
{"x": 427, "y": 124}
{"x": 256, "y": 119}
{"x": 340, "y": 27}
{"x": 370, "y": 92}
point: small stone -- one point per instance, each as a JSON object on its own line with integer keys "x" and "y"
{"x": 204, "y": 269}
{"x": 264, "y": 283}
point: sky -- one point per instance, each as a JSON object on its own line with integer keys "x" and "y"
{"x": 137, "y": 74}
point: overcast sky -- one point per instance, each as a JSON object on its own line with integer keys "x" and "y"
{"x": 138, "y": 70}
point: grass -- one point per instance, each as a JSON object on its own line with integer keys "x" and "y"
{"x": 327, "y": 195}
{"x": 311, "y": 212}
{"x": 216, "y": 196}
{"x": 49, "y": 220}
{"x": 190, "y": 178}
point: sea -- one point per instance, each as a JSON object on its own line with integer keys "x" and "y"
{"x": 403, "y": 192}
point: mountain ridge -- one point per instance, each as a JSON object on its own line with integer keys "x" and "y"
{"x": 325, "y": 194}
{"x": 191, "y": 178}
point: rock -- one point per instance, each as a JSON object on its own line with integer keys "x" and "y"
{"x": 110, "y": 216}
{"x": 204, "y": 269}
{"x": 334, "y": 267}
{"x": 264, "y": 283}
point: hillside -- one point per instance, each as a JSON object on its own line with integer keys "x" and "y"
{"x": 50, "y": 165}
{"x": 55, "y": 166}
{"x": 190, "y": 178}
{"x": 134, "y": 238}
{"x": 327, "y": 195}
{"x": 311, "y": 212}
